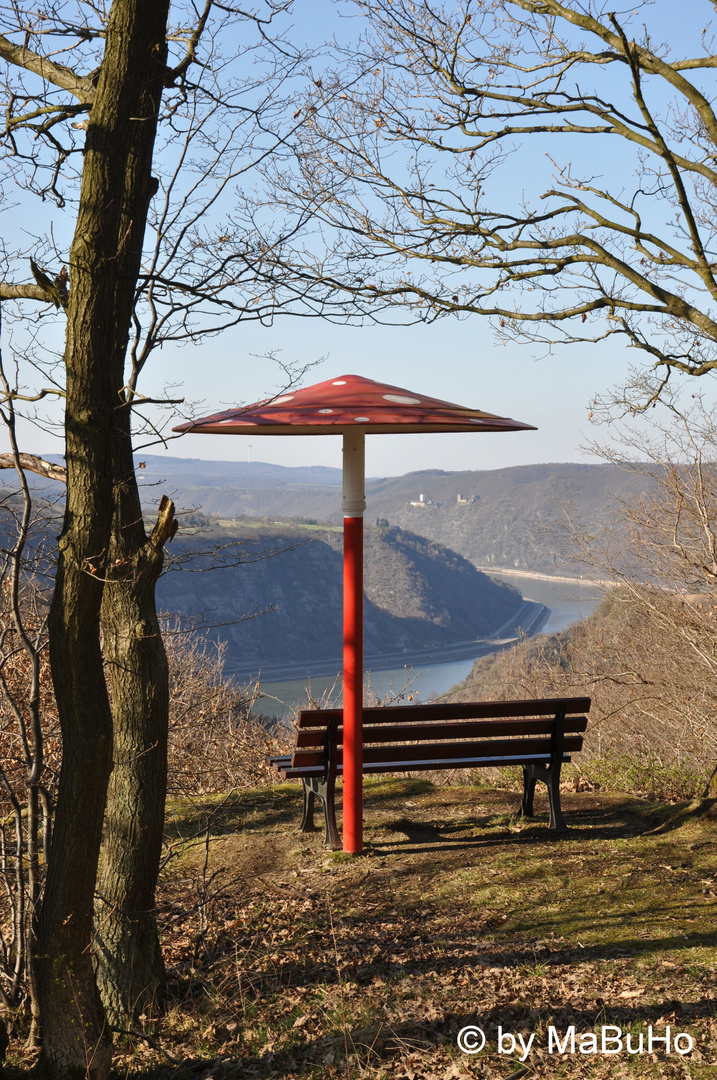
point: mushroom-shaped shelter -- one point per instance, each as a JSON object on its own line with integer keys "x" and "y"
{"x": 351, "y": 406}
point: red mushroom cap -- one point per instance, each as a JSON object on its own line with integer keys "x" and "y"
{"x": 326, "y": 408}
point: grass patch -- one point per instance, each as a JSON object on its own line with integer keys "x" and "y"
{"x": 645, "y": 775}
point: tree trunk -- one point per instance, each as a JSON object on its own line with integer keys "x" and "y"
{"x": 130, "y": 969}
{"x": 74, "y": 1031}
{"x": 76, "y": 1040}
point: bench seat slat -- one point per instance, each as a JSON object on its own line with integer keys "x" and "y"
{"x": 457, "y": 763}
{"x": 374, "y": 733}
{"x": 306, "y": 771}
{"x": 279, "y": 760}
{"x": 459, "y": 710}
{"x": 516, "y": 748}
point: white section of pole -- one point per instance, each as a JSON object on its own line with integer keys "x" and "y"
{"x": 353, "y": 502}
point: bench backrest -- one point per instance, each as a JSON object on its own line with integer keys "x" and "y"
{"x": 459, "y": 729}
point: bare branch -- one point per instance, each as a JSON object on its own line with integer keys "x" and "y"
{"x": 192, "y": 45}
{"x": 35, "y": 464}
{"x": 80, "y": 86}
{"x": 10, "y": 291}
{"x": 413, "y": 153}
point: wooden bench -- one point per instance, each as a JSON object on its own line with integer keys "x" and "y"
{"x": 539, "y": 735}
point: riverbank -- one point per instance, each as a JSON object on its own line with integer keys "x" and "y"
{"x": 426, "y": 675}
{"x": 557, "y": 579}
{"x": 553, "y": 599}
{"x": 528, "y": 620}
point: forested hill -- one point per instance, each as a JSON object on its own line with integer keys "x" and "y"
{"x": 513, "y": 518}
{"x": 498, "y": 518}
{"x": 419, "y": 596}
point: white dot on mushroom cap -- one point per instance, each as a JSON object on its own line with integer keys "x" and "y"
{"x": 339, "y": 382}
{"x": 401, "y": 399}
{"x": 476, "y": 420}
{"x": 281, "y": 400}
{"x": 325, "y": 410}
{"x": 362, "y": 419}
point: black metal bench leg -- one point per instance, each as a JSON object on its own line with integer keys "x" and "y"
{"x": 307, "y": 820}
{"x": 557, "y": 822}
{"x": 552, "y": 779}
{"x": 327, "y": 788}
{"x": 529, "y": 782}
{"x": 332, "y": 840}
{"x": 550, "y": 775}
{"x": 314, "y": 789}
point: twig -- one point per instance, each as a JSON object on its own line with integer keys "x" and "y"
{"x": 150, "y": 1042}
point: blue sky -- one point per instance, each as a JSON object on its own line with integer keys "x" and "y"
{"x": 456, "y": 360}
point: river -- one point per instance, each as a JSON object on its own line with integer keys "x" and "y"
{"x": 568, "y": 602}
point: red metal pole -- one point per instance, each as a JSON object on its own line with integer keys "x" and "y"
{"x": 353, "y": 684}
{"x": 353, "y": 507}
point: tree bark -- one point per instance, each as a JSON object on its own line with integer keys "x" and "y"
{"x": 76, "y": 1039}
{"x": 130, "y": 969}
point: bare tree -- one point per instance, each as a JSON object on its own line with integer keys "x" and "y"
{"x": 652, "y": 720}
{"x": 648, "y": 655}
{"x": 216, "y": 743}
{"x": 85, "y": 91}
{"x": 662, "y": 553}
{"x": 546, "y": 163}
{"x": 28, "y": 724}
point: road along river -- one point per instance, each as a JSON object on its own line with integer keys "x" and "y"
{"x": 551, "y": 605}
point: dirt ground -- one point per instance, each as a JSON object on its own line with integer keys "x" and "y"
{"x": 590, "y": 954}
